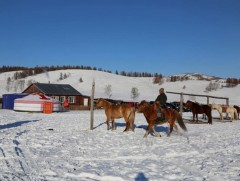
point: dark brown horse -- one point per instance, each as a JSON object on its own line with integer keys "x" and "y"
{"x": 238, "y": 110}
{"x": 196, "y": 109}
{"x": 115, "y": 111}
{"x": 150, "y": 114}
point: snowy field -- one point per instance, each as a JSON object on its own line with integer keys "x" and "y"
{"x": 61, "y": 146}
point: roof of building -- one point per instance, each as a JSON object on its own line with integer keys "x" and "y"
{"x": 57, "y": 89}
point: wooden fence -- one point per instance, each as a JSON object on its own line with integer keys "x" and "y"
{"x": 198, "y": 95}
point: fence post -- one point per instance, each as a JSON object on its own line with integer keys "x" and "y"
{"x": 181, "y": 103}
{"x": 92, "y": 105}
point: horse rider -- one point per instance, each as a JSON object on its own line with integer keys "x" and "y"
{"x": 161, "y": 102}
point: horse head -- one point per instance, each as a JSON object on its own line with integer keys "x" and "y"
{"x": 140, "y": 107}
{"x": 188, "y": 104}
{"x": 99, "y": 103}
{"x": 216, "y": 106}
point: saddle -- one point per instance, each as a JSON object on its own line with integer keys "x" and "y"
{"x": 159, "y": 120}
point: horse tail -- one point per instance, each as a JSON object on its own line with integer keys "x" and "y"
{"x": 236, "y": 114}
{"x": 210, "y": 118}
{"x": 131, "y": 117}
{"x": 209, "y": 115}
{"x": 180, "y": 122}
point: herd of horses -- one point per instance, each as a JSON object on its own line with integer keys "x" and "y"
{"x": 127, "y": 111}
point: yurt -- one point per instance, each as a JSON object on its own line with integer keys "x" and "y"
{"x": 37, "y": 103}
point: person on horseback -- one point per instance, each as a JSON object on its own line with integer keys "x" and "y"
{"x": 161, "y": 103}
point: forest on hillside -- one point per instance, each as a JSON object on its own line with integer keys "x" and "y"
{"x": 25, "y": 71}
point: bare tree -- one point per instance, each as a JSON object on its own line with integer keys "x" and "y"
{"x": 80, "y": 80}
{"x": 8, "y": 84}
{"x": 22, "y": 83}
{"x": 212, "y": 86}
{"x": 61, "y": 76}
{"x": 134, "y": 93}
{"x": 16, "y": 85}
{"x": 108, "y": 90}
{"x": 158, "y": 79}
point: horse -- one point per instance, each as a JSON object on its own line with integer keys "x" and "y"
{"x": 233, "y": 112}
{"x": 115, "y": 111}
{"x": 238, "y": 109}
{"x": 226, "y": 109}
{"x": 200, "y": 109}
{"x": 150, "y": 113}
{"x": 219, "y": 108}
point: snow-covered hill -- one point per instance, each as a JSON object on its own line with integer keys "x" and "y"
{"x": 121, "y": 86}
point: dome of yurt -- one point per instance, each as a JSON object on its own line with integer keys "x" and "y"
{"x": 35, "y": 103}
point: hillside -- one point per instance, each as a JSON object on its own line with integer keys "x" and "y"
{"x": 121, "y": 86}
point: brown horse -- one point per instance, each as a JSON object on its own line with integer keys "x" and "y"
{"x": 200, "y": 109}
{"x": 150, "y": 114}
{"x": 115, "y": 111}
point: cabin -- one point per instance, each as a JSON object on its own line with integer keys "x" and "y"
{"x": 60, "y": 92}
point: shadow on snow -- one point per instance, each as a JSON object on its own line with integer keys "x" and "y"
{"x": 16, "y": 124}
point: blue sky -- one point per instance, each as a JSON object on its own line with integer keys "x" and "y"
{"x": 154, "y": 36}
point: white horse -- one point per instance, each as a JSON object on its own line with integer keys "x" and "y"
{"x": 218, "y": 107}
{"x": 233, "y": 112}
{"x": 226, "y": 109}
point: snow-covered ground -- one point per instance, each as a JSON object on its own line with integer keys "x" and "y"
{"x": 61, "y": 146}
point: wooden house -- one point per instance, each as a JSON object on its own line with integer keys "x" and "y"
{"x": 61, "y": 92}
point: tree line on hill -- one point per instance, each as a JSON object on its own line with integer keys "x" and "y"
{"x": 23, "y": 72}
{"x": 230, "y": 82}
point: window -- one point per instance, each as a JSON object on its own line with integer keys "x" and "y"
{"x": 62, "y": 98}
{"x": 55, "y": 97}
{"x": 72, "y": 99}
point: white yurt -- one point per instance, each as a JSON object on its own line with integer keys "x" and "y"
{"x": 37, "y": 103}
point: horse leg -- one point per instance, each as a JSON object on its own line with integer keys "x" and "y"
{"x": 204, "y": 116}
{"x": 108, "y": 126}
{"x": 127, "y": 125}
{"x": 176, "y": 128}
{"x": 171, "y": 127}
{"x": 197, "y": 117}
{"x": 193, "y": 117}
{"x": 147, "y": 130}
{"x": 131, "y": 118}
{"x": 226, "y": 116}
{"x": 221, "y": 115}
{"x": 113, "y": 124}
{"x": 132, "y": 125}
{"x": 155, "y": 132}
